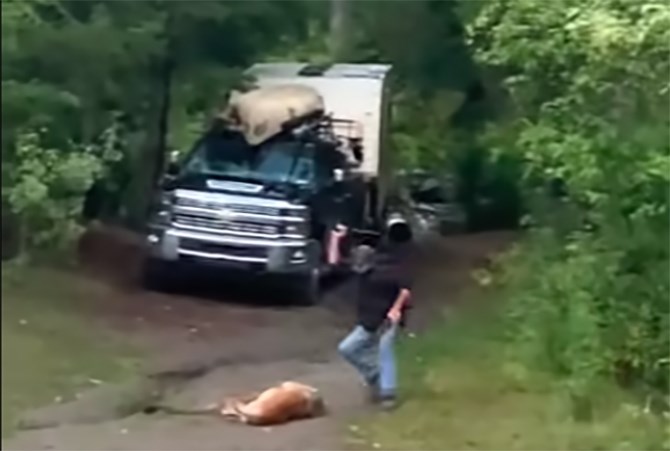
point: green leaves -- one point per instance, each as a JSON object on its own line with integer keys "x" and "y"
{"x": 46, "y": 187}
{"x": 73, "y": 69}
{"x": 588, "y": 80}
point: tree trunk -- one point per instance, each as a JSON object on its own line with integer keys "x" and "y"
{"x": 152, "y": 163}
{"x": 166, "y": 76}
{"x": 163, "y": 116}
{"x": 339, "y": 33}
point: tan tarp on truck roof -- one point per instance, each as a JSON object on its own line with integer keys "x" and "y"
{"x": 261, "y": 113}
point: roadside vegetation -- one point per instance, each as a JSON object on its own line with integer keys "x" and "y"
{"x": 461, "y": 391}
{"x": 51, "y": 349}
{"x": 581, "y": 356}
{"x": 551, "y": 116}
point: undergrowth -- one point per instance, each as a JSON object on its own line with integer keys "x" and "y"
{"x": 50, "y": 347}
{"x": 459, "y": 391}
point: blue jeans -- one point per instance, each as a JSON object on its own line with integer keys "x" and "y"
{"x": 373, "y": 356}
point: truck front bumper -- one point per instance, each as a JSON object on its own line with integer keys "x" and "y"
{"x": 266, "y": 255}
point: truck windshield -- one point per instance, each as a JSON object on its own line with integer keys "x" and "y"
{"x": 230, "y": 156}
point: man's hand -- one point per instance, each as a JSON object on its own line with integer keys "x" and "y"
{"x": 340, "y": 231}
{"x": 394, "y": 315}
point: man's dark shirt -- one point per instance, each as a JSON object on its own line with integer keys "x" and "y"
{"x": 379, "y": 288}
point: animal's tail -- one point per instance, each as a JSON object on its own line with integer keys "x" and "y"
{"x": 230, "y": 410}
{"x": 210, "y": 410}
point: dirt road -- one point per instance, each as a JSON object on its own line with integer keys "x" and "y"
{"x": 255, "y": 344}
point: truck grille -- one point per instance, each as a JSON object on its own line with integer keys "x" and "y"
{"x": 236, "y": 208}
{"x": 226, "y": 249}
{"x": 197, "y": 203}
{"x": 246, "y": 226}
{"x": 255, "y": 209}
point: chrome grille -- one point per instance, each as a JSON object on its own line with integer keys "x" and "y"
{"x": 235, "y": 208}
{"x": 255, "y": 209}
{"x": 197, "y": 203}
{"x": 246, "y": 226}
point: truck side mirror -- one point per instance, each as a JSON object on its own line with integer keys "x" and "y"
{"x": 173, "y": 163}
{"x": 357, "y": 150}
{"x": 172, "y": 169}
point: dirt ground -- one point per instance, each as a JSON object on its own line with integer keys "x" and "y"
{"x": 256, "y": 340}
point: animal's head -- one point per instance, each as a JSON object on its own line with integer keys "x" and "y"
{"x": 319, "y": 408}
{"x": 316, "y": 406}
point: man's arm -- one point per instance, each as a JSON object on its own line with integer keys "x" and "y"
{"x": 395, "y": 312}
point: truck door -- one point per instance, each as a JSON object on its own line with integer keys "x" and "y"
{"x": 332, "y": 201}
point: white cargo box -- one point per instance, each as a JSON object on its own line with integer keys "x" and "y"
{"x": 351, "y": 92}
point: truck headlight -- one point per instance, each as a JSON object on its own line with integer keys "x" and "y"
{"x": 295, "y": 228}
{"x": 166, "y": 200}
{"x": 162, "y": 218}
{"x": 162, "y": 214}
{"x": 295, "y": 212}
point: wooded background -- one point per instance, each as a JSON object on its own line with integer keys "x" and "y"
{"x": 549, "y": 114}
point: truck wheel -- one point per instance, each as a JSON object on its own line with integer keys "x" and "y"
{"x": 155, "y": 275}
{"x": 307, "y": 287}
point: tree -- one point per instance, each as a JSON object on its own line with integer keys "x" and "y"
{"x": 593, "y": 119}
{"x": 339, "y": 29}
{"x": 71, "y": 70}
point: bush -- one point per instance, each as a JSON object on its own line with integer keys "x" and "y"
{"x": 589, "y": 291}
{"x": 425, "y": 137}
{"x": 45, "y": 188}
{"x": 574, "y": 310}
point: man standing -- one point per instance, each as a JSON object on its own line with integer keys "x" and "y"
{"x": 384, "y": 292}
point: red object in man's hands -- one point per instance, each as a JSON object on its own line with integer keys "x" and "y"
{"x": 336, "y": 236}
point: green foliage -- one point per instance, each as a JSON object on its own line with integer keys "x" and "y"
{"x": 46, "y": 188}
{"x": 51, "y": 347}
{"x": 441, "y": 103}
{"x": 423, "y": 39}
{"x": 584, "y": 134}
{"x": 424, "y": 136}
{"x": 73, "y": 69}
{"x": 589, "y": 294}
{"x": 459, "y": 370}
{"x": 70, "y": 67}
{"x": 582, "y": 316}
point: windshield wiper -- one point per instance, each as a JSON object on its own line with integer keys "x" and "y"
{"x": 281, "y": 187}
{"x": 297, "y": 153}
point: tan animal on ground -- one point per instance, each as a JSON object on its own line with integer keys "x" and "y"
{"x": 282, "y": 403}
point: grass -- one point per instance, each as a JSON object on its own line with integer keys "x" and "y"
{"x": 50, "y": 348}
{"x": 460, "y": 393}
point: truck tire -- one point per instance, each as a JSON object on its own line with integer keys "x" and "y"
{"x": 306, "y": 288}
{"x": 155, "y": 275}
{"x": 372, "y": 214}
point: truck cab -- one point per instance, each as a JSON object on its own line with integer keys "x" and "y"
{"x": 267, "y": 205}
